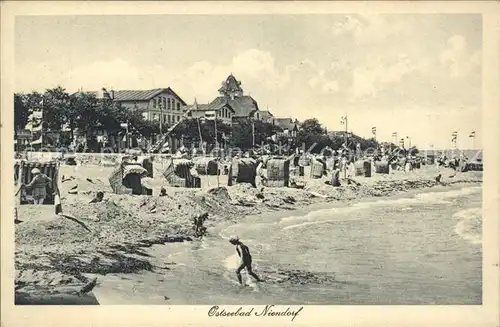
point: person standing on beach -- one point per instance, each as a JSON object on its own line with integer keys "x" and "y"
{"x": 343, "y": 166}
{"x": 246, "y": 259}
{"x": 38, "y": 185}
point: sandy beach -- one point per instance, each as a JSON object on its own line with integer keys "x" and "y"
{"x": 56, "y": 255}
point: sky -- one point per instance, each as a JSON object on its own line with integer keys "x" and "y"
{"x": 419, "y": 75}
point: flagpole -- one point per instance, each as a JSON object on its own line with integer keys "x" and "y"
{"x": 128, "y": 136}
{"x": 345, "y": 134}
{"x": 199, "y": 131}
{"x": 216, "y": 146}
{"x": 161, "y": 118}
{"x": 42, "y": 130}
{"x": 215, "y": 128}
{"x": 253, "y": 135}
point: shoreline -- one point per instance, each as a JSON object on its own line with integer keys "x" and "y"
{"x": 48, "y": 264}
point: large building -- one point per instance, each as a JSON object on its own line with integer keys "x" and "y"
{"x": 223, "y": 111}
{"x": 154, "y": 104}
{"x": 231, "y": 105}
{"x": 231, "y": 93}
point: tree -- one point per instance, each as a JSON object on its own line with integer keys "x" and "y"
{"x": 82, "y": 112}
{"x": 242, "y": 133}
{"x": 189, "y": 130}
{"x": 21, "y": 112}
{"x": 311, "y": 132}
{"x": 312, "y": 126}
{"x": 56, "y": 108}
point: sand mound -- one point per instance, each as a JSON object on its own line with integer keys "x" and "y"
{"x": 221, "y": 193}
{"x": 84, "y": 186}
{"x": 105, "y": 211}
{"x": 57, "y": 231}
{"x": 31, "y": 276}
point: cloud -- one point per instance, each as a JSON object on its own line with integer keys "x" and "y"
{"x": 347, "y": 25}
{"x": 259, "y": 74}
{"x": 370, "y": 29}
{"x": 116, "y": 73}
{"x": 379, "y": 73}
{"x": 321, "y": 83}
{"x": 459, "y": 60}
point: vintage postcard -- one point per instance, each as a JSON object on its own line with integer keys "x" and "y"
{"x": 255, "y": 163}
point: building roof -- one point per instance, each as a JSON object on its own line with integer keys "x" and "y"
{"x": 243, "y": 106}
{"x": 285, "y": 123}
{"x": 136, "y": 95}
{"x": 230, "y": 85}
{"x": 266, "y": 114}
{"x": 209, "y": 106}
{"x": 143, "y": 95}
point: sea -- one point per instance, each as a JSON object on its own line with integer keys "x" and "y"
{"x": 422, "y": 247}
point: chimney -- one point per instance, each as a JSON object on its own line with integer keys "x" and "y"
{"x": 112, "y": 94}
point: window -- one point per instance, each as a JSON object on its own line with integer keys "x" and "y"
{"x": 155, "y": 116}
{"x": 154, "y": 103}
{"x": 169, "y": 121}
{"x": 164, "y": 102}
{"x": 178, "y": 106}
{"x": 168, "y": 104}
{"x": 164, "y": 118}
{"x": 178, "y": 118}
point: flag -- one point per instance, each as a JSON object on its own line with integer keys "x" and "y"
{"x": 374, "y": 130}
{"x": 343, "y": 120}
{"x": 210, "y": 115}
{"x": 472, "y": 134}
{"x": 454, "y": 136}
{"x": 395, "y": 134}
{"x": 35, "y": 121}
{"x": 57, "y": 203}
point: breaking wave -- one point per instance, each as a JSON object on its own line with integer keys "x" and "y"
{"x": 324, "y": 215}
{"x": 469, "y": 225}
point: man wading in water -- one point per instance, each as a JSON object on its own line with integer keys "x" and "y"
{"x": 246, "y": 259}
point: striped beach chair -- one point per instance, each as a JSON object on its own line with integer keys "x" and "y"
{"x": 23, "y": 176}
